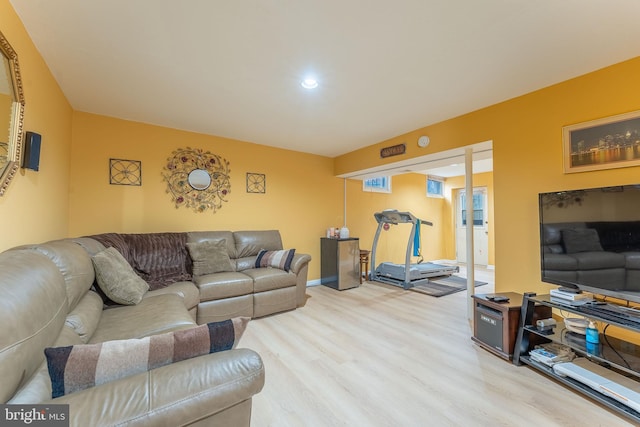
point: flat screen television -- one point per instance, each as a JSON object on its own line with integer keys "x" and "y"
{"x": 590, "y": 240}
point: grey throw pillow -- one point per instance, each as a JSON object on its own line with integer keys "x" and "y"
{"x": 209, "y": 256}
{"x": 117, "y": 279}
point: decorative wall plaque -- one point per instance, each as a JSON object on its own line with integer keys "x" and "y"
{"x": 197, "y": 179}
{"x": 394, "y": 150}
{"x": 125, "y": 172}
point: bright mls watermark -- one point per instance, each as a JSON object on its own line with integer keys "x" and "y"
{"x": 34, "y": 415}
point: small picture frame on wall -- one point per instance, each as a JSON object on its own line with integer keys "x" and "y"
{"x": 125, "y": 172}
{"x": 611, "y": 142}
{"x": 256, "y": 183}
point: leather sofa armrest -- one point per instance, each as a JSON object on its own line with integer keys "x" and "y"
{"x": 299, "y": 262}
{"x": 300, "y": 267}
{"x": 177, "y": 394}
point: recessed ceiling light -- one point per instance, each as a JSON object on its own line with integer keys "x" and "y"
{"x": 309, "y": 83}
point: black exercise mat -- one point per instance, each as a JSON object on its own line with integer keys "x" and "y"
{"x": 445, "y": 285}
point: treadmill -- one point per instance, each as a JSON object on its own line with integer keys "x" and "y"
{"x": 405, "y": 275}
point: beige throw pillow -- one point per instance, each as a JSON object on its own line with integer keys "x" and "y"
{"x": 209, "y": 256}
{"x": 117, "y": 279}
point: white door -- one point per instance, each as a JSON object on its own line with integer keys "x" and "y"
{"x": 480, "y": 223}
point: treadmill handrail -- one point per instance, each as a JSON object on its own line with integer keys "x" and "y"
{"x": 395, "y": 217}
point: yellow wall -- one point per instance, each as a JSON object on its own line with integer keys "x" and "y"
{"x": 302, "y": 196}
{"x": 408, "y": 194}
{"x": 35, "y": 206}
{"x": 527, "y": 157}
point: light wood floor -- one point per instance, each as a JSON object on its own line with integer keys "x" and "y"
{"x": 377, "y": 355}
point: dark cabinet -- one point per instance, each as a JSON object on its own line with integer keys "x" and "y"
{"x": 495, "y": 325}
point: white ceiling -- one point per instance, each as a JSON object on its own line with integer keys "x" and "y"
{"x": 232, "y": 68}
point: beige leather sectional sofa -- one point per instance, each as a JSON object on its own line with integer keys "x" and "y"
{"x": 49, "y": 299}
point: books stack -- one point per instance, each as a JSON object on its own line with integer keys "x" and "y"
{"x": 551, "y": 353}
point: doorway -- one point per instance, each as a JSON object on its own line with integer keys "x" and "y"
{"x": 480, "y": 226}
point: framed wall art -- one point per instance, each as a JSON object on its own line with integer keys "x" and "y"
{"x": 256, "y": 183}
{"x": 125, "y": 172}
{"x": 611, "y": 142}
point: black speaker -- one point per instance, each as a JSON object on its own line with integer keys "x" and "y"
{"x": 31, "y": 157}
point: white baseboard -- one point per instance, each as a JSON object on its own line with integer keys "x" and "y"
{"x": 316, "y": 282}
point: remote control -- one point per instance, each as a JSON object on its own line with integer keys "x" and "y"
{"x": 497, "y": 298}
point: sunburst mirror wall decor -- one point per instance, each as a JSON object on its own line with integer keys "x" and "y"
{"x": 197, "y": 179}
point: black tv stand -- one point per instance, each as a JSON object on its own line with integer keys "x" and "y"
{"x": 617, "y": 354}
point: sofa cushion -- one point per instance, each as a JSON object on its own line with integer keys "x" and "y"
{"x": 200, "y": 236}
{"x": 581, "y": 240}
{"x": 75, "y": 368}
{"x": 186, "y": 290}
{"x": 209, "y": 256}
{"x": 223, "y": 285}
{"x": 266, "y": 279}
{"x": 156, "y": 315}
{"x": 599, "y": 261}
{"x": 553, "y": 249}
{"x": 604, "y": 278}
{"x": 249, "y": 243}
{"x": 632, "y": 260}
{"x": 560, "y": 262}
{"x": 91, "y": 246}
{"x": 117, "y": 279}
{"x": 274, "y": 301}
{"x": 245, "y": 263}
{"x": 552, "y": 233}
{"x": 277, "y": 259}
{"x": 84, "y": 319}
{"x": 227, "y": 308}
{"x": 73, "y": 262}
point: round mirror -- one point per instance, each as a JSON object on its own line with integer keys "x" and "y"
{"x": 11, "y": 114}
{"x": 199, "y": 179}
